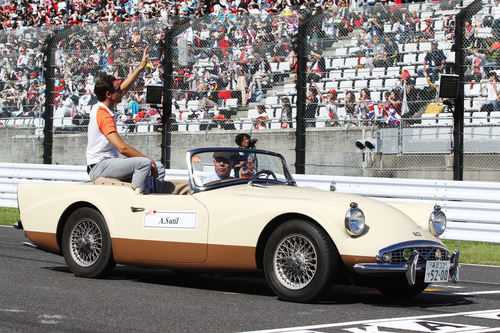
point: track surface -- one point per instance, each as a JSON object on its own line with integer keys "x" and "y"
{"x": 38, "y": 293}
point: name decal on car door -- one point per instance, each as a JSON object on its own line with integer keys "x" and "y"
{"x": 170, "y": 219}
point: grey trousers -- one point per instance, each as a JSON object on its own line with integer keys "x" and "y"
{"x": 134, "y": 169}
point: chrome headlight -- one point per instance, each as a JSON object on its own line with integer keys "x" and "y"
{"x": 354, "y": 220}
{"x": 437, "y": 221}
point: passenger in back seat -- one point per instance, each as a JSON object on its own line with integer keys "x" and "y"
{"x": 105, "y": 144}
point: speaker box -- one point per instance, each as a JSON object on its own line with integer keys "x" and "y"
{"x": 448, "y": 86}
{"x": 154, "y": 94}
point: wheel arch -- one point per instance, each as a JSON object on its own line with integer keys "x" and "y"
{"x": 65, "y": 215}
{"x": 272, "y": 225}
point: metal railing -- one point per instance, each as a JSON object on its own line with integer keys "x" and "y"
{"x": 472, "y": 208}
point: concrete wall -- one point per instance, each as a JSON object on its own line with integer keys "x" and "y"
{"x": 329, "y": 151}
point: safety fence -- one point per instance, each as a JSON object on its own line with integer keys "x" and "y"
{"x": 299, "y": 73}
{"x": 472, "y": 208}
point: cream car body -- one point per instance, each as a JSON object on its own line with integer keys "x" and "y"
{"x": 229, "y": 225}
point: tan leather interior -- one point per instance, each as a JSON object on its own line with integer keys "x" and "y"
{"x": 176, "y": 187}
{"x": 113, "y": 181}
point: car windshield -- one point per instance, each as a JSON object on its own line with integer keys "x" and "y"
{"x": 215, "y": 167}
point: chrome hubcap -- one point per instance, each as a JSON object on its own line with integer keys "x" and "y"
{"x": 295, "y": 261}
{"x": 86, "y": 242}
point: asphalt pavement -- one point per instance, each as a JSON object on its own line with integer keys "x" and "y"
{"x": 39, "y": 293}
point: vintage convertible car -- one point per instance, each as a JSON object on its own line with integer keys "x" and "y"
{"x": 241, "y": 210}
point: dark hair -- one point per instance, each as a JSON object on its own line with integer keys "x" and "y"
{"x": 286, "y": 100}
{"x": 240, "y": 137}
{"x": 367, "y": 92}
{"x": 103, "y": 85}
{"x": 397, "y": 93}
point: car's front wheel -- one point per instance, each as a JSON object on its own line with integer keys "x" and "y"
{"x": 300, "y": 261}
{"x": 86, "y": 244}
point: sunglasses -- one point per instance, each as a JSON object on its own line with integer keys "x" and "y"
{"x": 222, "y": 160}
{"x": 118, "y": 90}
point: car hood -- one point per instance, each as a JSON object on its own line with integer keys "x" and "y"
{"x": 387, "y": 225}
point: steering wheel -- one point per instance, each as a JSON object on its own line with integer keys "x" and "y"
{"x": 267, "y": 173}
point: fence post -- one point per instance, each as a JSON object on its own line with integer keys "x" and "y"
{"x": 168, "y": 68}
{"x": 49, "y": 53}
{"x": 301, "y": 48}
{"x": 458, "y": 115}
{"x": 300, "y": 128}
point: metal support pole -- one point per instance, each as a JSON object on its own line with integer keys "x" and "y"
{"x": 458, "y": 115}
{"x": 48, "y": 130}
{"x": 302, "y": 53}
{"x": 166, "y": 132}
{"x": 300, "y": 128}
{"x": 168, "y": 79}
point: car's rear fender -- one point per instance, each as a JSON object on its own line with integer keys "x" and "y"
{"x": 66, "y": 214}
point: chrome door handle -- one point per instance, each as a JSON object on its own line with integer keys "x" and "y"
{"x": 136, "y": 209}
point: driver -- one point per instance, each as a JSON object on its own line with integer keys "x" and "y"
{"x": 223, "y": 163}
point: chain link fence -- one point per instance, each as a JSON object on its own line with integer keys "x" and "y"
{"x": 368, "y": 100}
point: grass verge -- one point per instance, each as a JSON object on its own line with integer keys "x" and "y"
{"x": 480, "y": 253}
{"x": 8, "y": 216}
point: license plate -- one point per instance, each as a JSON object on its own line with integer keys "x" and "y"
{"x": 436, "y": 271}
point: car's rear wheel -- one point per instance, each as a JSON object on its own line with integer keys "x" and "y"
{"x": 400, "y": 289}
{"x": 300, "y": 261}
{"x": 86, "y": 244}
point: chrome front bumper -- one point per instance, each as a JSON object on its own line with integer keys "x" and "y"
{"x": 410, "y": 267}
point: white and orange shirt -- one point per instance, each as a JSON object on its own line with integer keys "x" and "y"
{"x": 102, "y": 122}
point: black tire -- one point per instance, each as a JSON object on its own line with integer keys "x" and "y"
{"x": 86, "y": 244}
{"x": 306, "y": 274}
{"x": 400, "y": 289}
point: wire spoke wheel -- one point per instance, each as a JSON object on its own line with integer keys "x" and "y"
{"x": 300, "y": 261}
{"x": 86, "y": 242}
{"x": 295, "y": 261}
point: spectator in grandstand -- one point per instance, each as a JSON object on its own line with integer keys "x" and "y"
{"x": 434, "y": 63}
{"x": 311, "y": 107}
{"x": 241, "y": 87}
{"x": 105, "y": 144}
{"x": 349, "y": 105}
{"x": 410, "y": 28}
{"x": 378, "y": 58}
{"x": 331, "y": 103}
{"x": 476, "y": 69}
{"x": 318, "y": 67}
{"x": 449, "y": 31}
{"x": 470, "y": 35}
{"x": 262, "y": 119}
{"x": 365, "y": 107}
{"x": 260, "y": 70}
{"x": 492, "y": 52}
{"x": 427, "y": 32}
{"x": 492, "y": 88}
{"x": 280, "y": 50}
{"x": 395, "y": 101}
{"x": 133, "y": 106}
{"x": 391, "y": 51}
{"x": 375, "y": 27}
{"x": 286, "y": 113}
{"x": 363, "y": 42}
{"x": 383, "y": 108}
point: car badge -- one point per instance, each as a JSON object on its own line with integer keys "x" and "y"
{"x": 417, "y": 234}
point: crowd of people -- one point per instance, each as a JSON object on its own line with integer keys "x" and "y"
{"x": 228, "y": 52}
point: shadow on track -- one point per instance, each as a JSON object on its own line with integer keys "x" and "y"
{"x": 255, "y": 284}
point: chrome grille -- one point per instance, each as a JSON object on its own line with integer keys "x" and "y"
{"x": 425, "y": 253}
